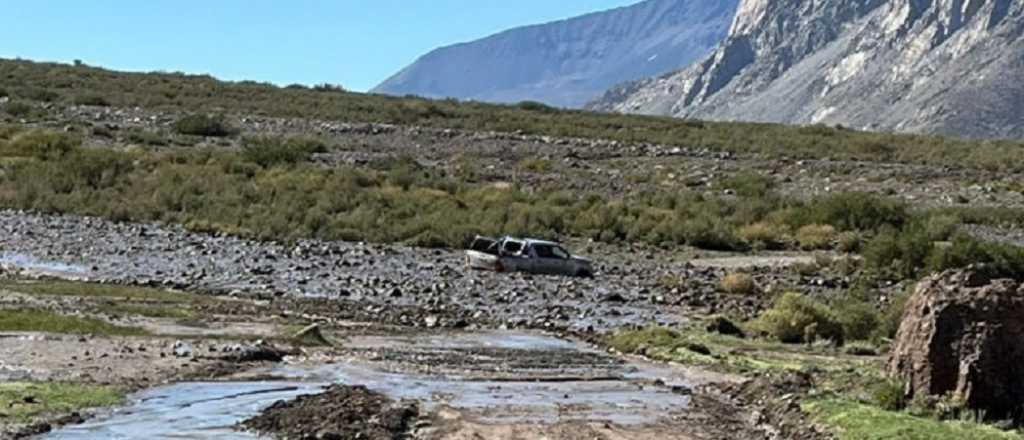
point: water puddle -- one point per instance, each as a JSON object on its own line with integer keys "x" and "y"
{"x": 29, "y": 263}
{"x": 193, "y": 411}
{"x": 619, "y": 393}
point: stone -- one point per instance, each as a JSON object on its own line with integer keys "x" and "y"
{"x": 722, "y": 325}
{"x": 962, "y": 337}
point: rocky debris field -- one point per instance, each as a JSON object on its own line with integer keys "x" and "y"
{"x": 397, "y": 284}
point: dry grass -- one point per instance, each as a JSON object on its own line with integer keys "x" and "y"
{"x": 813, "y": 237}
{"x": 738, "y": 283}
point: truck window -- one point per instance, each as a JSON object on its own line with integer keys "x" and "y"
{"x": 544, "y": 251}
{"x": 513, "y": 247}
{"x": 560, "y": 252}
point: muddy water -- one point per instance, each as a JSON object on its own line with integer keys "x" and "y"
{"x": 489, "y": 377}
{"x": 186, "y": 411}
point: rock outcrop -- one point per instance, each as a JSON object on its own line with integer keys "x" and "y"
{"x": 963, "y": 335}
{"x": 568, "y": 63}
{"x": 953, "y": 67}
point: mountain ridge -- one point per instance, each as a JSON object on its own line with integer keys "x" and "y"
{"x": 951, "y": 67}
{"x": 569, "y": 62}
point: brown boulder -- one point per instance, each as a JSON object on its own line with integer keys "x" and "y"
{"x": 963, "y": 335}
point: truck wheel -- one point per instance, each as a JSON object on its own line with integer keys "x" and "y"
{"x": 583, "y": 273}
{"x": 498, "y": 267}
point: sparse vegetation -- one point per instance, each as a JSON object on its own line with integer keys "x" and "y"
{"x": 95, "y": 290}
{"x": 859, "y": 421}
{"x": 269, "y": 151}
{"x": 21, "y": 401}
{"x": 39, "y": 321}
{"x": 200, "y": 93}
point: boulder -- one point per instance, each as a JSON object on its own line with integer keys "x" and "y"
{"x": 962, "y": 335}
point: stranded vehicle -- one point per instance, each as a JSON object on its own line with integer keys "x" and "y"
{"x": 509, "y": 254}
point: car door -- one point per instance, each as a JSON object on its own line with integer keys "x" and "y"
{"x": 545, "y": 260}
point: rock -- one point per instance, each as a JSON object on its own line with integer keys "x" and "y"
{"x": 182, "y": 349}
{"x": 964, "y": 339}
{"x": 311, "y": 335}
{"x": 723, "y": 326}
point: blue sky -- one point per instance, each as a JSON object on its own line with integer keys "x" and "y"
{"x": 355, "y": 43}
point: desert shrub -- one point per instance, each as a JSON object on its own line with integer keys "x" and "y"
{"x": 763, "y": 235}
{"x": 708, "y": 232}
{"x": 859, "y": 320}
{"x": 941, "y": 227}
{"x": 92, "y": 99}
{"x": 795, "y": 318}
{"x": 203, "y": 125}
{"x": 40, "y": 144}
{"x": 889, "y": 395}
{"x": 852, "y": 212}
{"x": 269, "y": 151}
{"x": 900, "y": 252}
{"x": 849, "y": 242}
{"x": 17, "y": 109}
{"x": 738, "y": 283}
{"x": 995, "y": 259}
{"x": 814, "y": 236}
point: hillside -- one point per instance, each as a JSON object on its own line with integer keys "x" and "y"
{"x": 570, "y": 62}
{"x": 950, "y": 67}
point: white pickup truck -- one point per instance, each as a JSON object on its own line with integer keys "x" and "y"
{"x": 509, "y": 254}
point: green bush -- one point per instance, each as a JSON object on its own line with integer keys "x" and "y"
{"x": 859, "y": 320}
{"x": 40, "y": 144}
{"x": 203, "y": 125}
{"x": 270, "y": 151}
{"x": 795, "y": 318}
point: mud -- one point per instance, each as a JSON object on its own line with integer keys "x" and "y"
{"x": 340, "y": 412}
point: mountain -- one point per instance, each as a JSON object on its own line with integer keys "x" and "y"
{"x": 568, "y": 63}
{"x": 953, "y": 67}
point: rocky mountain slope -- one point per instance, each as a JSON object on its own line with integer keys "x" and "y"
{"x": 570, "y": 62}
{"x": 951, "y": 67}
